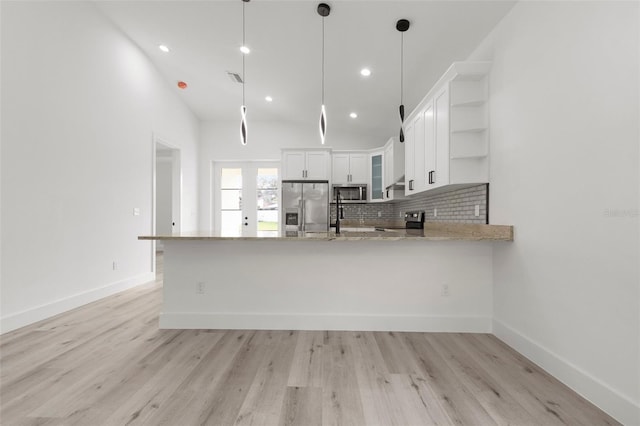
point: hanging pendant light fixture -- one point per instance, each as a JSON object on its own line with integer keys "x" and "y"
{"x": 323, "y": 10}
{"x": 402, "y": 25}
{"x": 243, "y": 109}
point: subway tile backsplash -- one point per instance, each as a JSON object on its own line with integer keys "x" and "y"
{"x": 453, "y": 206}
{"x": 368, "y": 212}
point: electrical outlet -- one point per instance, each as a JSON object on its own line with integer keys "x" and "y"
{"x": 114, "y": 265}
{"x": 477, "y": 210}
{"x": 379, "y": 214}
{"x": 136, "y": 211}
{"x": 435, "y": 212}
{"x": 444, "y": 292}
{"x": 200, "y": 287}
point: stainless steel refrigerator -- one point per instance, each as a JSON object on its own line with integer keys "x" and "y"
{"x": 305, "y": 205}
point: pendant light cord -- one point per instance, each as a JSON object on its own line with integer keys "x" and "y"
{"x": 323, "y": 60}
{"x": 401, "y": 66}
{"x": 244, "y": 78}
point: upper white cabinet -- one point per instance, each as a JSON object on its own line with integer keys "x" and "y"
{"x": 450, "y": 144}
{"x": 414, "y": 155}
{"x": 350, "y": 167}
{"x": 376, "y": 188}
{"x": 309, "y": 164}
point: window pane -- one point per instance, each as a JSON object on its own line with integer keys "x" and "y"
{"x": 267, "y": 178}
{"x": 267, "y": 199}
{"x": 230, "y": 199}
{"x": 231, "y": 178}
{"x": 231, "y": 223}
{"x": 267, "y": 202}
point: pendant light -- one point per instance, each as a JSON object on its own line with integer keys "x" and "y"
{"x": 323, "y": 10}
{"x": 243, "y": 109}
{"x": 402, "y": 25}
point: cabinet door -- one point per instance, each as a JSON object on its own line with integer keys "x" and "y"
{"x": 409, "y": 164}
{"x": 388, "y": 166}
{"x": 293, "y": 165}
{"x": 358, "y": 168}
{"x": 377, "y": 188}
{"x": 418, "y": 155}
{"x": 429, "y": 146}
{"x": 340, "y": 168}
{"x": 317, "y": 165}
{"x": 441, "y": 110}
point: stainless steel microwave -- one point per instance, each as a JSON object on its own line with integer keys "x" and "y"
{"x": 350, "y": 193}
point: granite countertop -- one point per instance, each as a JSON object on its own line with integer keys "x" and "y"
{"x": 432, "y": 232}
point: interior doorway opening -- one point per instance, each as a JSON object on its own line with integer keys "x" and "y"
{"x": 167, "y": 192}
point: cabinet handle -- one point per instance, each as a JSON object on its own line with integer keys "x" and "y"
{"x": 411, "y": 185}
{"x": 432, "y": 179}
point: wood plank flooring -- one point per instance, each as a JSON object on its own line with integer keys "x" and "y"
{"x": 108, "y": 364}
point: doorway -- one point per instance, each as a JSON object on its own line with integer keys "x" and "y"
{"x": 167, "y": 178}
{"x": 246, "y": 198}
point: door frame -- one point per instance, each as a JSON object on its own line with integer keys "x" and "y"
{"x": 176, "y": 188}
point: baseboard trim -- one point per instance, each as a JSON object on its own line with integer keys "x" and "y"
{"x": 21, "y": 319}
{"x": 233, "y": 321}
{"x": 617, "y": 405}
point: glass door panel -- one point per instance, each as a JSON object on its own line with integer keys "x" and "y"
{"x": 230, "y": 202}
{"x": 268, "y": 202}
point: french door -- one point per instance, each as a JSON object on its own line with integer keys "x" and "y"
{"x": 246, "y": 199}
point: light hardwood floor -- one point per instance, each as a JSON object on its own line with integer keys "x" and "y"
{"x": 108, "y": 364}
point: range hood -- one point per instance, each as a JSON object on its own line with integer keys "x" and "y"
{"x": 399, "y": 184}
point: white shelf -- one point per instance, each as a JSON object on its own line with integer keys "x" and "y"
{"x": 472, "y": 130}
{"x": 473, "y": 103}
{"x": 466, "y": 157}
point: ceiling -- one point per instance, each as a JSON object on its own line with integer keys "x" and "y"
{"x": 285, "y": 59}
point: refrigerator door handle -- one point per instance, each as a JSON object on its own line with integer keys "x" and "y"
{"x": 300, "y": 215}
{"x": 304, "y": 215}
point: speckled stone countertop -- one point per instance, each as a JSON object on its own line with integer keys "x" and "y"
{"x": 432, "y": 232}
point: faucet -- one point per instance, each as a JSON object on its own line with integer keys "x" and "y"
{"x": 339, "y": 211}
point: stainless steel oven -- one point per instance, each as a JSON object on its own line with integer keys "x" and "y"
{"x": 353, "y": 193}
{"x": 414, "y": 219}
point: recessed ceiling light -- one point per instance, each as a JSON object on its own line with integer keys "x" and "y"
{"x": 353, "y": 115}
{"x": 164, "y": 48}
{"x": 245, "y": 49}
{"x": 365, "y": 72}
{"x": 268, "y": 99}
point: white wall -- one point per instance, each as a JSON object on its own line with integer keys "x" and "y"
{"x": 220, "y": 141}
{"x": 80, "y": 107}
{"x": 564, "y": 171}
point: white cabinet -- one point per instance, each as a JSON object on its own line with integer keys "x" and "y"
{"x": 409, "y": 164}
{"x": 312, "y": 164}
{"x": 350, "y": 167}
{"x": 376, "y": 191}
{"x": 450, "y": 144}
{"x": 394, "y": 170}
{"x": 414, "y": 156}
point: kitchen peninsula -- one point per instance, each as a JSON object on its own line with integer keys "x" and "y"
{"x": 439, "y": 279}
